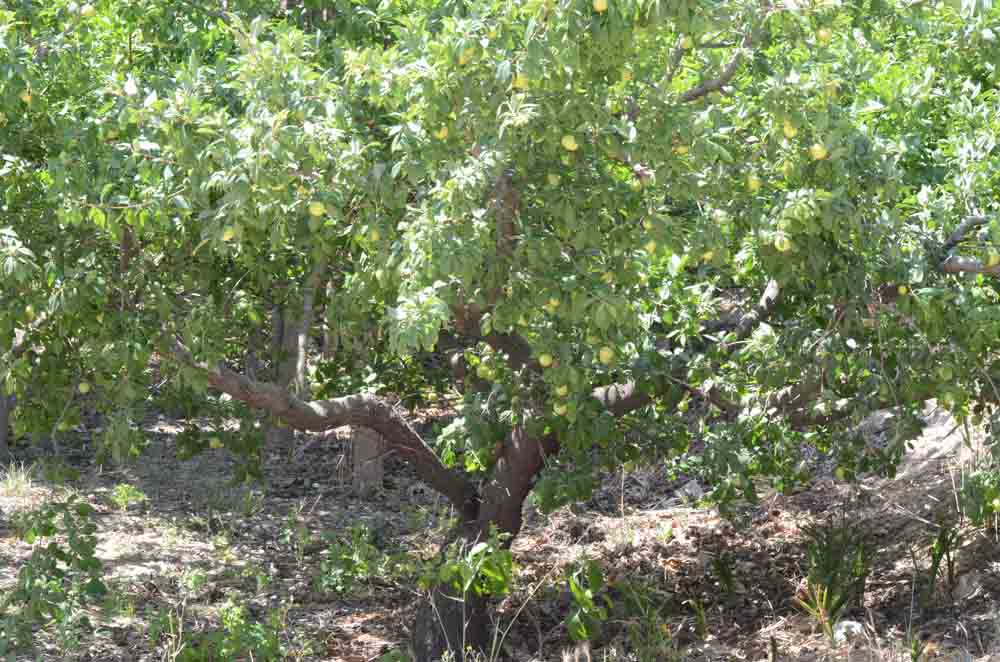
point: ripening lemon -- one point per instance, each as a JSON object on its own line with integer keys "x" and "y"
{"x": 788, "y": 169}
{"x": 754, "y": 183}
{"x": 483, "y": 371}
{"x": 375, "y": 235}
{"x": 84, "y": 388}
{"x": 903, "y": 290}
{"x": 215, "y": 442}
{"x": 993, "y": 260}
{"x": 650, "y": 246}
{"x": 442, "y": 133}
{"x": 789, "y": 129}
{"x": 562, "y": 390}
{"x": 606, "y": 355}
{"x": 608, "y": 277}
{"x": 520, "y": 82}
{"x": 316, "y": 208}
{"x": 228, "y": 233}
{"x": 569, "y": 143}
{"x": 707, "y": 256}
{"x": 29, "y": 312}
{"x": 687, "y": 43}
{"x": 647, "y": 224}
{"x": 26, "y": 96}
{"x": 783, "y": 243}
{"x": 87, "y": 11}
{"x": 560, "y": 409}
{"x": 554, "y": 303}
{"x": 466, "y": 56}
{"x": 554, "y": 179}
{"x": 823, "y": 36}
{"x": 681, "y": 150}
{"x": 545, "y": 360}
{"x": 818, "y": 151}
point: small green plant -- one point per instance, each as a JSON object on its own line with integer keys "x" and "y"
{"x": 238, "y": 638}
{"x": 943, "y": 549}
{"x": 700, "y": 618}
{"x": 818, "y": 602}
{"x": 838, "y": 563}
{"x": 125, "y": 495}
{"x": 295, "y": 532}
{"x": 16, "y": 480}
{"x": 58, "y": 580}
{"x": 194, "y": 580}
{"x": 349, "y": 561}
{"x": 649, "y": 637}
{"x": 723, "y": 566}
{"x": 586, "y": 616}
{"x": 486, "y": 568}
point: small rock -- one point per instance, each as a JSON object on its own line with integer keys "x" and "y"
{"x": 845, "y": 630}
{"x": 692, "y": 490}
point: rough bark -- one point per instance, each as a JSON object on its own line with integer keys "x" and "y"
{"x": 361, "y": 409}
{"x": 366, "y": 451}
{"x": 449, "y": 622}
{"x": 6, "y": 406}
{"x": 290, "y": 347}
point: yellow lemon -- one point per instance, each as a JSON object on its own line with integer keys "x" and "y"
{"x": 316, "y": 208}
{"x": 569, "y": 143}
{"x": 606, "y": 355}
{"x": 818, "y": 152}
{"x": 520, "y": 82}
{"x": 600, "y": 6}
{"x": 754, "y": 183}
{"x": 789, "y": 129}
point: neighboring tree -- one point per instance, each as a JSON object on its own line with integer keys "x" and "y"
{"x": 784, "y": 213}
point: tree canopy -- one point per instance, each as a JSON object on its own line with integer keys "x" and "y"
{"x": 634, "y": 222}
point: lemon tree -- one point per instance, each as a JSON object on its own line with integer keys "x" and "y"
{"x": 633, "y": 222}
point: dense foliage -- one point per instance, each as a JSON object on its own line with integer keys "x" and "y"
{"x": 636, "y": 222}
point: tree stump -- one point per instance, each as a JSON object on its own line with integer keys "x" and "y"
{"x": 366, "y": 451}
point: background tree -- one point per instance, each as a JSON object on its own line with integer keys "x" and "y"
{"x": 616, "y": 209}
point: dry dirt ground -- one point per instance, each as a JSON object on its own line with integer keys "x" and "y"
{"x": 681, "y": 582}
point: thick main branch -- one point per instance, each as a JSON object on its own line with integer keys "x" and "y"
{"x": 363, "y": 410}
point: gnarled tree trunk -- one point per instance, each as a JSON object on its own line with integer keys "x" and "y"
{"x": 451, "y": 623}
{"x": 6, "y": 406}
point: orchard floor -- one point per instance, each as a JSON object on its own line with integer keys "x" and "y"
{"x": 682, "y": 583}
